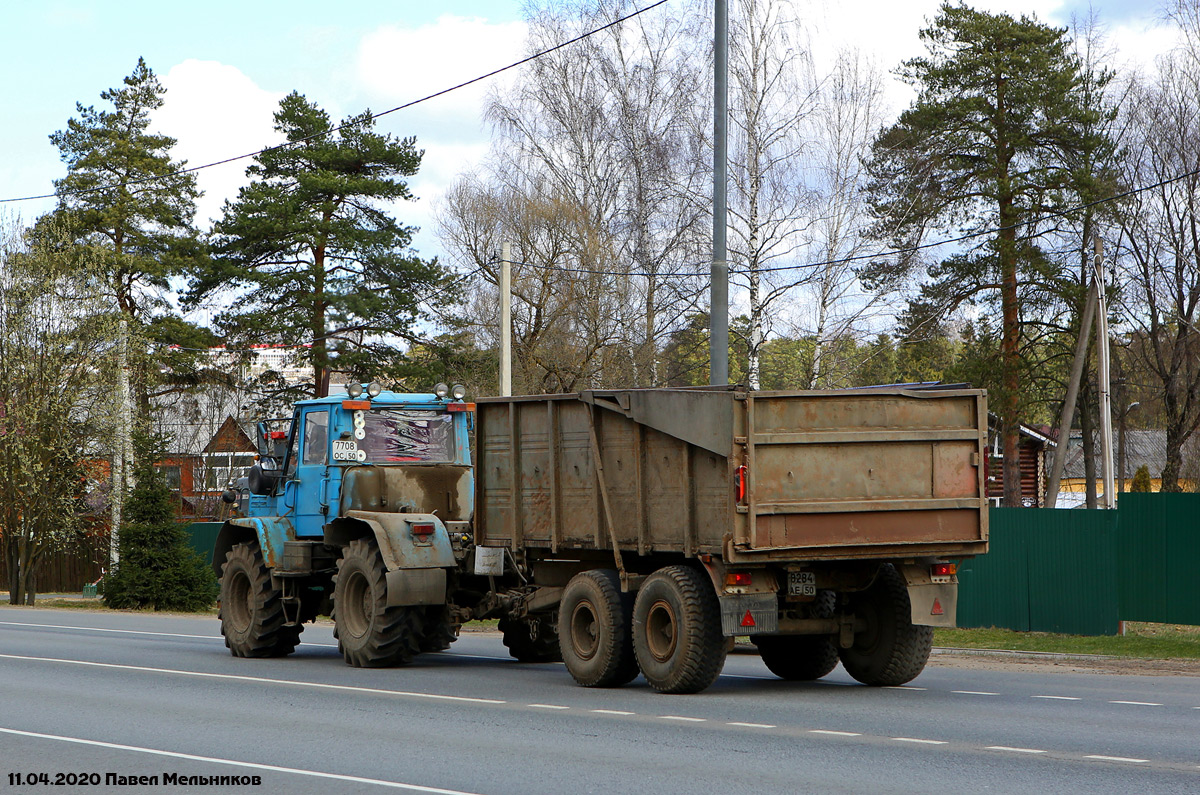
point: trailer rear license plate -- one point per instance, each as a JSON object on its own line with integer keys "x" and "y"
{"x": 802, "y": 583}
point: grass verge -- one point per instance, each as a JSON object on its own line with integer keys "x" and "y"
{"x": 1141, "y": 640}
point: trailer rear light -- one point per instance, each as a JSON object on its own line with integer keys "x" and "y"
{"x": 943, "y": 569}
{"x": 422, "y": 529}
{"x": 738, "y": 578}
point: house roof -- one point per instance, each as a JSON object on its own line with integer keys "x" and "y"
{"x": 1142, "y": 448}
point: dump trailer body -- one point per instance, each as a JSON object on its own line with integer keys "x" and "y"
{"x": 754, "y": 477}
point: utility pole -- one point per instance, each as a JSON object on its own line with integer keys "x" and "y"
{"x": 1068, "y": 409}
{"x": 718, "y": 337}
{"x": 506, "y": 318}
{"x": 1106, "y": 440}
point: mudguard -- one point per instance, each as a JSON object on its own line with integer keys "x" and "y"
{"x": 416, "y": 564}
{"x": 269, "y": 531}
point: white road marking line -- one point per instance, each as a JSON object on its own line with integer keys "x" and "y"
{"x": 835, "y": 733}
{"x": 917, "y": 740}
{"x": 751, "y": 725}
{"x": 612, "y": 712}
{"x": 99, "y": 629}
{"x": 260, "y": 680}
{"x": 547, "y": 706}
{"x": 901, "y": 687}
{"x": 1116, "y": 759}
{"x": 1137, "y": 703}
{"x": 235, "y": 763}
{"x": 974, "y": 693}
{"x": 144, "y": 632}
{"x": 1014, "y": 750}
{"x": 681, "y": 717}
{"x": 1059, "y": 698}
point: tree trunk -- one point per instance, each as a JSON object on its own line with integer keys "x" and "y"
{"x": 1088, "y": 429}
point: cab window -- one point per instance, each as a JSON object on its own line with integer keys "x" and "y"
{"x": 316, "y": 437}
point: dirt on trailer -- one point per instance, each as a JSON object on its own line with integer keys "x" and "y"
{"x": 1015, "y": 661}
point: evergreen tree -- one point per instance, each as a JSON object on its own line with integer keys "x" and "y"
{"x": 157, "y": 568}
{"x": 984, "y": 146}
{"x": 313, "y": 254}
{"x": 1141, "y": 480}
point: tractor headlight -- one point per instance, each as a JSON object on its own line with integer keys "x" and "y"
{"x": 459, "y": 391}
{"x": 441, "y": 390}
{"x": 373, "y": 389}
{"x": 354, "y": 390}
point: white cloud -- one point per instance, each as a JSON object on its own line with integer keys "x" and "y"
{"x": 396, "y": 65}
{"x": 216, "y": 112}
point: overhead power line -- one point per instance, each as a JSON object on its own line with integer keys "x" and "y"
{"x": 341, "y": 127}
{"x": 877, "y": 255}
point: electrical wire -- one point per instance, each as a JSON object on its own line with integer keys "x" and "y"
{"x": 341, "y": 127}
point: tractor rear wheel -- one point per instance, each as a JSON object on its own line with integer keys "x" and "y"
{"x": 369, "y": 633}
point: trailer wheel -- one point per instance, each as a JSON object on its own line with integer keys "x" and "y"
{"x": 890, "y": 650}
{"x": 252, "y": 608}
{"x": 798, "y": 658}
{"x": 530, "y": 640}
{"x": 369, "y": 633}
{"x": 594, "y": 624}
{"x": 438, "y": 631}
{"x": 677, "y": 631}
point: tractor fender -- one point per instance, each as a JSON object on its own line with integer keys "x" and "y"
{"x": 269, "y": 531}
{"x": 416, "y": 563}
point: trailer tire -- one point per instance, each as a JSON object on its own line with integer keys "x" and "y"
{"x": 677, "y": 631}
{"x": 369, "y": 633}
{"x": 889, "y": 650}
{"x": 251, "y": 613}
{"x": 594, "y": 626}
{"x": 530, "y": 640}
{"x": 798, "y": 658}
{"x": 438, "y": 631}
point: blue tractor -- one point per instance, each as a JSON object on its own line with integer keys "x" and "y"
{"x": 359, "y": 509}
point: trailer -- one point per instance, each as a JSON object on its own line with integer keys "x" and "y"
{"x": 642, "y": 530}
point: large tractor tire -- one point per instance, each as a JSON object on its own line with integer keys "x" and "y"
{"x": 798, "y": 658}
{"x": 251, "y": 613}
{"x": 595, "y": 622}
{"x": 889, "y": 650}
{"x": 530, "y": 640}
{"x": 369, "y": 633}
{"x": 677, "y": 631}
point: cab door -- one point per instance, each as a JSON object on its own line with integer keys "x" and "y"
{"x": 308, "y": 488}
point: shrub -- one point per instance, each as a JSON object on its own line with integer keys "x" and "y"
{"x": 1141, "y": 479}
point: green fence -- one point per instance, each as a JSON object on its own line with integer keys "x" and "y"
{"x": 203, "y": 537}
{"x": 1081, "y": 572}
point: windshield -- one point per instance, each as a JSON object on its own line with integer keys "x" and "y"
{"x": 399, "y": 435}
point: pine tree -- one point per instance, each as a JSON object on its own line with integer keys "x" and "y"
{"x": 985, "y": 146}
{"x": 317, "y": 259}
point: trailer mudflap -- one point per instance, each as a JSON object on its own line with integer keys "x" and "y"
{"x": 749, "y": 614}
{"x": 934, "y": 604}
{"x": 410, "y": 587}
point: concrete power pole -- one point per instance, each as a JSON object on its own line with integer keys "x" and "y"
{"x": 1106, "y": 436}
{"x": 718, "y": 337}
{"x": 506, "y": 318}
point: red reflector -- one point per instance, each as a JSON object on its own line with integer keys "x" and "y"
{"x": 460, "y": 407}
{"x": 278, "y": 435}
{"x": 943, "y": 569}
{"x": 741, "y": 483}
{"x": 937, "y": 608}
{"x": 356, "y": 405}
{"x": 748, "y": 620}
{"x": 422, "y": 529}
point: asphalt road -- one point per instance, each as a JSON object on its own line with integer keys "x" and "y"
{"x": 85, "y": 695}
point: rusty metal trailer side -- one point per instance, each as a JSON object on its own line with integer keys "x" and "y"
{"x": 829, "y": 475}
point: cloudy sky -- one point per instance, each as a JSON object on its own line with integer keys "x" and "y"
{"x": 227, "y": 64}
